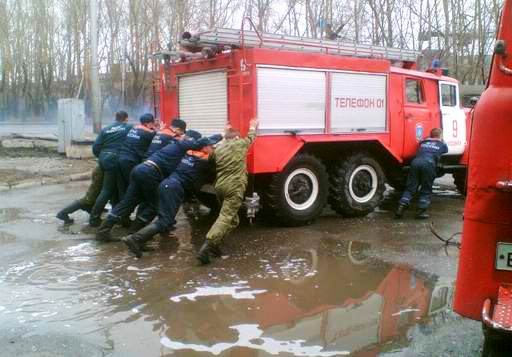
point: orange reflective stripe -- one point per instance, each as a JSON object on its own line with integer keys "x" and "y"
{"x": 199, "y": 154}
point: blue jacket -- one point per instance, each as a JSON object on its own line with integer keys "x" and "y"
{"x": 111, "y": 138}
{"x": 136, "y": 144}
{"x": 160, "y": 140}
{"x": 431, "y": 150}
{"x": 168, "y": 158}
{"x": 192, "y": 168}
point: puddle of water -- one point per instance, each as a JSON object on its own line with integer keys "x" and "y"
{"x": 9, "y": 214}
{"x": 303, "y": 292}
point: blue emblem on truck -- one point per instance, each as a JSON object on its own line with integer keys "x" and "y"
{"x": 419, "y": 132}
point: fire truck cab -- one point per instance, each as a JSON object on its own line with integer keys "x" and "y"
{"x": 337, "y": 121}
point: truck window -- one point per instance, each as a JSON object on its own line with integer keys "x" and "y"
{"x": 414, "y": 91}
{"x": 448, "y": 95}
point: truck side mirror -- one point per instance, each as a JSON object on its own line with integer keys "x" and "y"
{"x": 500, "y": 48}
{"x": 473, "y": 101}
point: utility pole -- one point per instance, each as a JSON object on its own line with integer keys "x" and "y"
{"x": 95, "y": 82}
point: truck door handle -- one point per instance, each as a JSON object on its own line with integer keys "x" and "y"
{"x": 409, "y": 116}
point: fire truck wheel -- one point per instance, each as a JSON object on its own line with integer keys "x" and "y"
{"x": 459, "y": 179}
{"x": 357, "y": 185}
{"x": 298, "y": 195}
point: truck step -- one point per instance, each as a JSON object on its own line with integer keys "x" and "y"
{"x": 501, "y": 319}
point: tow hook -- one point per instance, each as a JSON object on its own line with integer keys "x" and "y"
{"x": 252, "y": 203}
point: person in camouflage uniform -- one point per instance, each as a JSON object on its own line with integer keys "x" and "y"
{"x": 87, "y": 201}
{"x": 230, "y": 184}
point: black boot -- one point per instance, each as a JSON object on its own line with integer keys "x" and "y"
{"x": 94, "y": 221}
{"x": 400, "y": 210}
{"x": 103, "y": 233}
{"x": 207, "y": 250}
{"x": 421, "y": 213}
{"x": 137, "y": 225}
{"x": 63, "y": 214}
{"x": 136, "y": 241}
{"x": 126, "y": 222}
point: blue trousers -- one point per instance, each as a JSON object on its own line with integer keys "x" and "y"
{"x": 170, "y": 197}
{"x": 143, "y": 190}
{"x": 421, "y": 176}
{"x": 125, "y": 166}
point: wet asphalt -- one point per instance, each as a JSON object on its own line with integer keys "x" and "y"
{"x": 370, "y": 286}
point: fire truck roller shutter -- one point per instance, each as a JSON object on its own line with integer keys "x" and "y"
{"x": 203, "y": 101}
{"x": 291, "y": 99}
{"x": 358, "y": 102}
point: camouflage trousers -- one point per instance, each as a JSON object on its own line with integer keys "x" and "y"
{"x": 231, "y": 196}
{"x": 94, "y": 188}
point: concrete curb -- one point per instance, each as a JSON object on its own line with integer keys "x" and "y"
{"x": 46, "y": 181}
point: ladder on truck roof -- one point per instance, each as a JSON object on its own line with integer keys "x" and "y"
{"x": 224, "y": 38}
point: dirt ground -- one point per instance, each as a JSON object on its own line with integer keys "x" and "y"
{"x": 23, "y": 165}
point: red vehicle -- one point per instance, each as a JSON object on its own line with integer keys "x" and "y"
{"x": 336, "y": 121}
{"x": 484, "y": 282}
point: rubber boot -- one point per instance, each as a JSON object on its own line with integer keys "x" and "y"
{"x": 126, "y": 222}
{"x": 63, "y": 214}
{"x": 137, "y": 225}
{"x": 136, "y": 241}
{"x": 103, "y": 233}
{"x": 399, "y": 213}
{"x": 94, "y": 221}
{"x": 208, "y": 250}
{"x": 421, "y": 213}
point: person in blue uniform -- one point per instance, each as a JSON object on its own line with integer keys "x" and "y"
{"x": 106, "y": 149}
{"x": 171, "y": 192}
{"x": 422, "y": 174}
{"x": 144, "y": 181}
{"x": 134, "y": 149}
{"x": 165, "y": 135}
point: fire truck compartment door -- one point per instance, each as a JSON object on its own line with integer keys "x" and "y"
{"x": 358, "y": 102}
{"x": 291, "y": 99}
{"x": 203, "y": 101}
{"x": 453, "y": 118}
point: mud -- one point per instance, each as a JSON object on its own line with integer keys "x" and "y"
{"x": 18, "y": 169}
{"x": 359, "y": 287}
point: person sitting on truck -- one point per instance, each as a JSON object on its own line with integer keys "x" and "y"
{"x": 134, "y": 150}
{"x": 230, "y": 183}
{"x": 172, "y": 192}
{"x": 106, "y": 148}
{"x": 423, "y": 173}
{"x": 144, "y": 181}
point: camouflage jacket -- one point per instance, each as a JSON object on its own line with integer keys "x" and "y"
{"x": 231, "y": 159}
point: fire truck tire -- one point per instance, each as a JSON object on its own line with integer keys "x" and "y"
{"x": 459, "y": 179}
{"x": 357, "y": 185}
{"x": 297, "y": 195}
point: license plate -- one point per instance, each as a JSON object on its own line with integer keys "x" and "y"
{"x": 504, "y": 256}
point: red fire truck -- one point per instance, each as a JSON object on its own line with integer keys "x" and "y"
{"x": 336, "y": 120}
{"x": 484, "y": 281}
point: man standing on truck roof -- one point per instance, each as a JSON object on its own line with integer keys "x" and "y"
{"x": 106, "y": 148}
{"x": 231, "y": 165}
{"x": 423, "y": 173}
{"x": 172, "y": 192}
{"x": 134, "y": 149}
{"x": 144, "y": 181}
